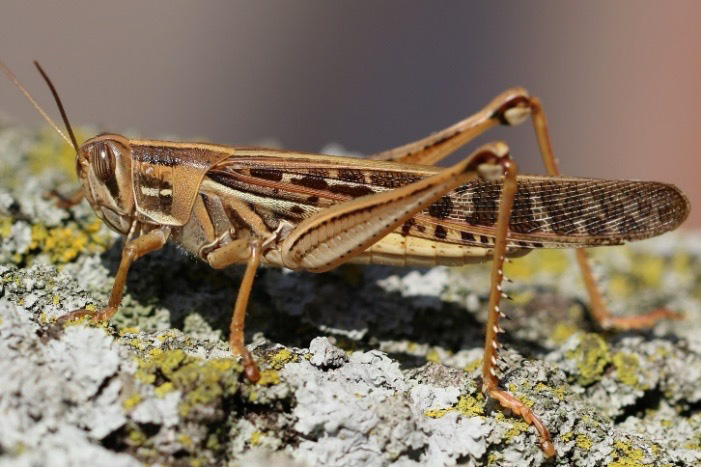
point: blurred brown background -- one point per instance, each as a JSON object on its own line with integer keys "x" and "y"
{"x": 621, "y": 81}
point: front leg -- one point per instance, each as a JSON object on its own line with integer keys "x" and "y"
{"x": 133, "y": 250}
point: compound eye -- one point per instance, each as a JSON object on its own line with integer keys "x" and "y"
{"x": 103, "y": 162}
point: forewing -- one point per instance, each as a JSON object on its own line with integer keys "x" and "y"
{"x": 548, "y": 212}
{"x": 553, "y": 212}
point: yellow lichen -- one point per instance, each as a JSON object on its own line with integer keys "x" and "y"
{"x": 253, "y": 396}
{"x": 18, "y": 448}
{"x": 526, "y": 400}
{"x": 466, "y": 405}
{"x": 80, "y": 321}
{"x": 206, "y": 382}
{"x": 5, "y": 226}
{"x": 433, "y": 356}
{"x": 269, "y": 378}
{"x": 523, "y": 297}
{"x": 185, "y": 440}
{"x": 132, "y": 401}
{"x": 551, "y": 261}
{"x": 166, "y": 335}
{"x": 559, "y": 392}
{"x": 649, "y": 269}
{"x": 693, "y": 446}
{"x": 681, "y": 263}
{"x": 473, "y": 365}
{"x": 137, "y": 437}
{"x": 169, "y": 361}
{"x": 626, "y": 455}
{"x": 493, "y": 458}
{"x": 256, "y": 438}
{"x": 567, "y": 437}
{"x": 213, "y": 443}
{"x": 627, "y": 369}
{"x": 584, "y": 442}
{"x": 619, "y": 286}
{"x": 164, "y": 389}
{"x": 518, "y": 426}
{"x": 64, "y": 244}
{"x": 93, "y": 227}
{"x": 51, "y": 151}
{"x": 134, "y": 342}
{"x": 667, "y": 423}
{"x": 591, "y": 357}
{"x": 282, "y": 357}
{"x": 562, "y": 332}
{"x": 540, "y": 387}
{"x": 144, "y": 374}
{"x": 201, "y": 381}
{"x": 471, "y": 406}
{"x": 437, "y": 413}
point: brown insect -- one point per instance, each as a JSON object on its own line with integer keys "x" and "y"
{"x": 259, "y": 206}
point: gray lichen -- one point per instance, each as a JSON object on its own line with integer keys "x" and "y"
{"x": 360, "y": 366}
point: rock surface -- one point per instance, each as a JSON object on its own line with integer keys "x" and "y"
{"x": 360, "y": 366}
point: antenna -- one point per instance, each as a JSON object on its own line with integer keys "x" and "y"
{"x": 41, "y": 111}
{"x": 60, "y": 106}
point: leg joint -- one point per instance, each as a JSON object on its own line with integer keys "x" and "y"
{"x": 514, "y": 107}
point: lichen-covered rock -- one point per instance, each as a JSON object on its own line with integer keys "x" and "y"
{"x": 360, "y": 366}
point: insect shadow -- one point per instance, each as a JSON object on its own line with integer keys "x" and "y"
{"x": 352, "y": 303}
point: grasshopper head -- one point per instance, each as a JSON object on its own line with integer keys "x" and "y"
{"x": 103, "y": 164}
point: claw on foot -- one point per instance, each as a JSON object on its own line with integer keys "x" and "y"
{"x": 96, "y": 316}
{"x": 250, "y": 368}
{"x": 507, "y": 401}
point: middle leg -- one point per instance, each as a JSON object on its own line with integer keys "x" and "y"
{"x": 248, "y": 250}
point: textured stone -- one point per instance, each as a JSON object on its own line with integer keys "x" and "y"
{"x": 360, "y": 366}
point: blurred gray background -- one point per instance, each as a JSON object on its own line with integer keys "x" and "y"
{"x": 621, "y": 81}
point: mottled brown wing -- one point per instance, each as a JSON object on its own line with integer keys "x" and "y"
{"x": 548, "y": 212}
{"x": 560, "y": 212}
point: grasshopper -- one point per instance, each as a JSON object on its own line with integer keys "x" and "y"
{"x": 256, "y": 206}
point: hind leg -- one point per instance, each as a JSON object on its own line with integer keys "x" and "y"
{"x": 512, "y": 107}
